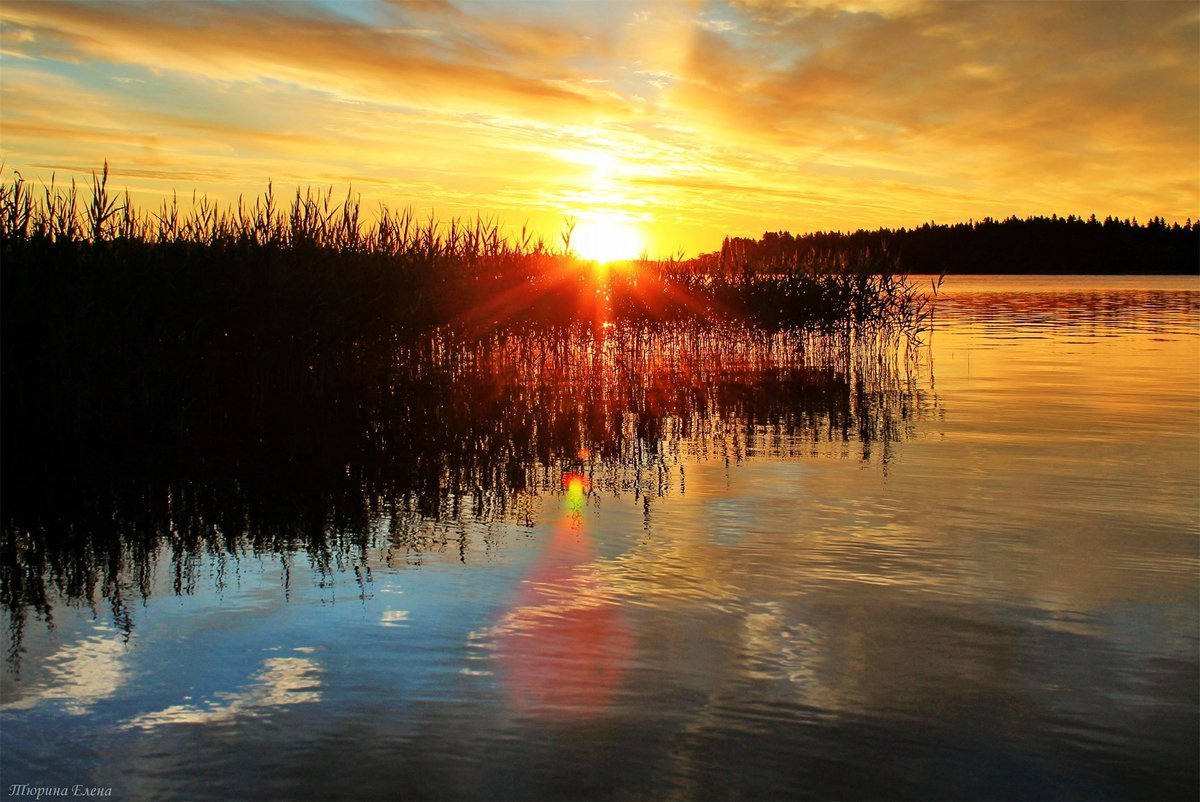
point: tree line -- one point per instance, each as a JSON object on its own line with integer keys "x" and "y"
{"x": 1045, "y": 245}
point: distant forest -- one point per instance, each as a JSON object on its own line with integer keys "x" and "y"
{"x": 1047, "y": 245}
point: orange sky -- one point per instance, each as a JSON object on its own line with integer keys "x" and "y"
{"x": 681, "y": 121}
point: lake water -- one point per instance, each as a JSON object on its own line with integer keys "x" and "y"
{"x": 658, "y": 564}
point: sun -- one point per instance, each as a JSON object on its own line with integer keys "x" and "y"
{"x": 607, "y": 239}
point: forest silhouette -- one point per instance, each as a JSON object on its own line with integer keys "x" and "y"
{"x": 1052, "y": 245}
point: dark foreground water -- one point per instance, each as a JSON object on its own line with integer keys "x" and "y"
{"x": 649, "y": 564}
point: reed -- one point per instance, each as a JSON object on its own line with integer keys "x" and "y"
{"x": 268, "y": 375}
{"x": 315, "y": 264}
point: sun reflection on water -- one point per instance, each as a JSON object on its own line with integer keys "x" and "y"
{"x": 563, "y": 642}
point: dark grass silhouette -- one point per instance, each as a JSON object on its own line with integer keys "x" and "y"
{"x": 98, "y": 265}
{"x": 266, "y": 379}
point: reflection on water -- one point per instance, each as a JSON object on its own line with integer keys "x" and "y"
{"x": 80, "y": 674}
{"x": 426, "y": 437}
{"x": 283, "y": 681}
{"x": 634, "y": 562}
{"x": 562, "y": 644}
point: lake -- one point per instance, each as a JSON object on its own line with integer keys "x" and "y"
{"x": 650, "y": 563}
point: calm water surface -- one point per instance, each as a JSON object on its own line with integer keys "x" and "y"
{"x": 664, "y": 564}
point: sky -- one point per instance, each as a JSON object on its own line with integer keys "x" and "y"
{"x": 657, "y": 125}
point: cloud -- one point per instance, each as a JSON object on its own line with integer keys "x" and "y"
{"x": 494, "y": 66}
{"x": 283, "y": 681}
{"x": 81, "y": 675}
{"x": 725, "y": 118}
{"x": 989, "y": 96}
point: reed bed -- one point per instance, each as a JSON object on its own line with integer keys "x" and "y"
{"x": 120, "y": 328}
{"x": 271, "y": 375}
{"x": 90, "y": 261}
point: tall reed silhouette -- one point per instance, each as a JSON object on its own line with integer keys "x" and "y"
{"x": 269, "y": 377}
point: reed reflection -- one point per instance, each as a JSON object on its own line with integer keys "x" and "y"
{"x": 394, "y": 445}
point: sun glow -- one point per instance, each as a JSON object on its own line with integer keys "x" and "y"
{"x": 607, "y": 239}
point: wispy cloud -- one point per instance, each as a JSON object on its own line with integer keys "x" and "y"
{"x": 80, "y": 675}
{"x": 283, "y": 681}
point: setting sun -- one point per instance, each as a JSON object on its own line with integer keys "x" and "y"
{"x": 607, "y": 239}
